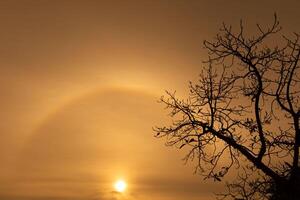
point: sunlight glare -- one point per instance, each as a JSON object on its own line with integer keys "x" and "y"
{"x": 120, "y": 186}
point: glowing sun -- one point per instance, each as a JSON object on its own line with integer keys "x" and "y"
{"x": 120, "y": 186}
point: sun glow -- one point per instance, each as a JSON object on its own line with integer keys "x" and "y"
{"x": 120, "y": 186}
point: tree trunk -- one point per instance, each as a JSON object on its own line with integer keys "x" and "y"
{"x": 289, "y": 190}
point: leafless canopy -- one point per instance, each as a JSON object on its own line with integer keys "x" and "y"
{"x": 243, "y": 113}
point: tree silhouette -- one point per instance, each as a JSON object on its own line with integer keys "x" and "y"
{"x": 243, "y": 113}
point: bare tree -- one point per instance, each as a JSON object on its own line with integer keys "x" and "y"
{"x": 243, "y": 113}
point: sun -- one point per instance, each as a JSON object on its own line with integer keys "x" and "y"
{"x": 120, "y": 186}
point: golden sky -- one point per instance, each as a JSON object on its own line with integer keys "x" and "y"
{"x": 79, "y": 84}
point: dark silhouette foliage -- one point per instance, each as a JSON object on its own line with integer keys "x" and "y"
{"x": 243, "y": 114}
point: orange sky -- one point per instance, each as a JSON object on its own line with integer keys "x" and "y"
{"x": 79, "y": 84}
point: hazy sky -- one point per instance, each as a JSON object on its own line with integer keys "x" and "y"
{"x": 79, "y": 84}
